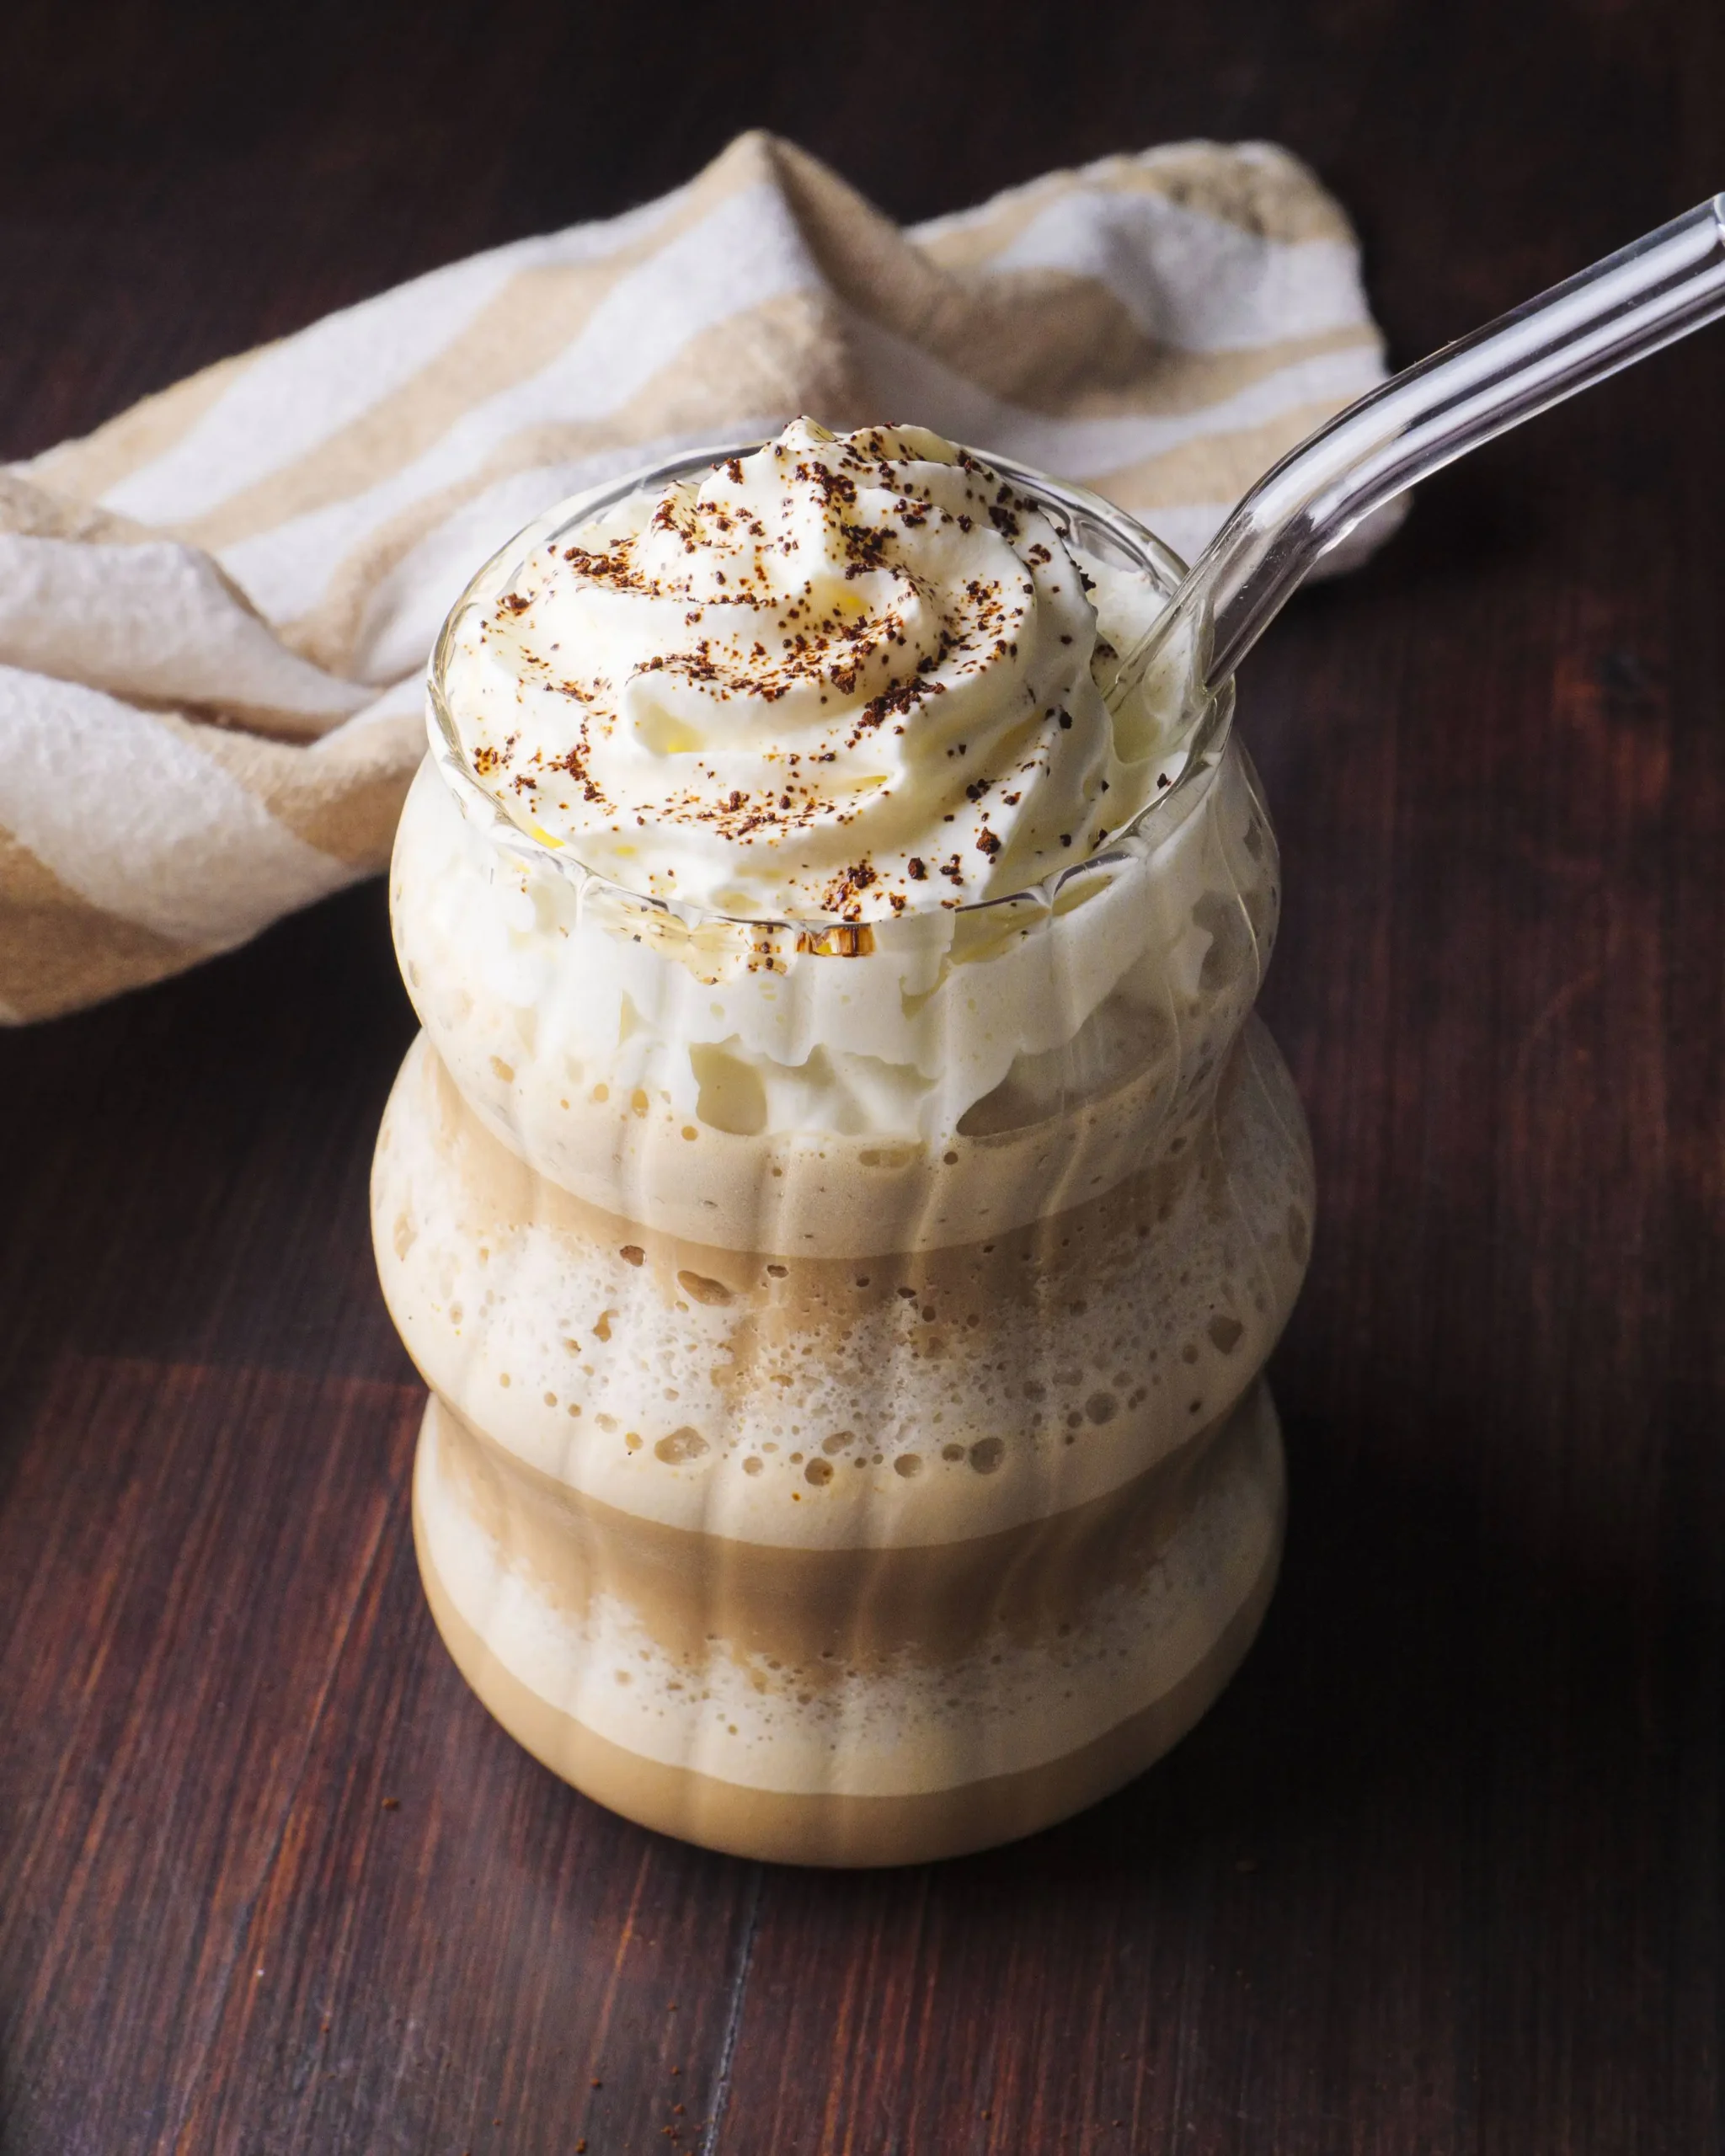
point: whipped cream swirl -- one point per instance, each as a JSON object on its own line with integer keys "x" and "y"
{"x": 843, "y": 677}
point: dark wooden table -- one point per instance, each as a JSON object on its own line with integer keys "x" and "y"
{"x": 1443, "y": 1871}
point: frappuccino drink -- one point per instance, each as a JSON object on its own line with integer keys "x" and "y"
{"x": 841, "y": 1199}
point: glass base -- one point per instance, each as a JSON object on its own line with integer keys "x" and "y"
{"x": 899, "y": 1762}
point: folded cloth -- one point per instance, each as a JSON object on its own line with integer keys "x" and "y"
{"x": 215, "y": 611}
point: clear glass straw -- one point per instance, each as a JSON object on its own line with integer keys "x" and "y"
{"x": 1646, "y": 296}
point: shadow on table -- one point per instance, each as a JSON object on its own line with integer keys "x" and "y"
{"x": 1469, "y": 1692}
{"x": 1441, "y": 1663}
{"x": 1441, "y": 1836}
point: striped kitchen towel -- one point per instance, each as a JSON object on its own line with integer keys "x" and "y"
{"x": 215, "y": 612}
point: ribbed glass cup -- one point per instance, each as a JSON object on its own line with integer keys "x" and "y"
{"x": 847, "y": 1442}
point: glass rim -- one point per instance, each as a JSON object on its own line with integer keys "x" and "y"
{"x": 1202, "y": 737}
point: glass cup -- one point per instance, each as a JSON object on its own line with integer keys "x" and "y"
{"x": 847, "y": 1442}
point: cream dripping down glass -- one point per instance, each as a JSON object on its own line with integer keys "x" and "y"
{"x": 841, "y": 1200}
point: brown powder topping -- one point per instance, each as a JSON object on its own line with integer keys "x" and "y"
{"x": 780, "y": 657}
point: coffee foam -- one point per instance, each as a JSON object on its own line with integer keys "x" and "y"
{"x": 917, "y": 1726}
{"x": 780, "y": 1398}
{"x": 672, "y": 1075}
{"x": 829, "y": 1828}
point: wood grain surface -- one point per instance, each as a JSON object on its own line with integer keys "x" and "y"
{"x": 1443, "y": 1870}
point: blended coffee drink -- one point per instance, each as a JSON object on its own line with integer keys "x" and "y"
{"x": 841, "y": 1200}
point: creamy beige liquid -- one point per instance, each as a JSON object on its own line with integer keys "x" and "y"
{"x": 829, "y": 1460}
